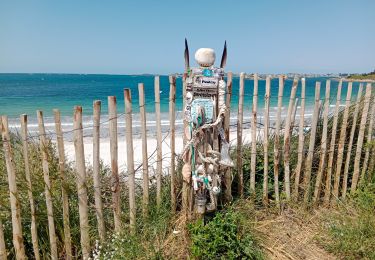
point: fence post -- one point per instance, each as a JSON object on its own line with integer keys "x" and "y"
{"x": 227, "y": 172}
{"x": 96, "y": 170}
{"x": 351, "y": 140}
{"x": 341, "y": 146}
{"x": 64, "y": 191}
{"x": 172, "y": 118}
{"x": 294, "y": 113}
{"x": 159, "y": 153}
{"x": 254, "y": 137}
{"x": 323, "y": 144}
{"x": 3, "y": 250}
{"x": 301, "y": 140}
{"x": 33, "y": 227}
{"x": 43, "y": 143}
{"x": 130, "y": 157}
{"x": 13, "y": 193}
{"x": 357, "y": 158}
{"x": 368, "y": 141}
{"x": 276, "y": 147}
{"x": 310, "y": 153}
{"x": 265, "y": 139}
{"x": 81, "y": 182}
{"x": 371, "y": 165}
{"x": 113, "y": 143}
{"x": 287, "y": 138}
{"x": 239, "y": 134}
{"x": 331, "y": 152}
{"x": 142, "y": 110}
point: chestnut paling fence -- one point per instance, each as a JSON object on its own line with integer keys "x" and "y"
{"x": 320, "y": 173}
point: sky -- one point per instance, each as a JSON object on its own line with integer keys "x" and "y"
{"x": 136, "y": 37}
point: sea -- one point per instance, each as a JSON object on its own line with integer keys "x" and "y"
{"x": 22, "y": 93}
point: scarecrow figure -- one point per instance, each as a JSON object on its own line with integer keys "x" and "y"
{"x": 206, "y": 152}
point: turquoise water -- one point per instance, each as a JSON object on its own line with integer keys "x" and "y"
{"x": 26, "y": 93}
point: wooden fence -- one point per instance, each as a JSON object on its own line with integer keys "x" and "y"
{"x": 302, "y": 180}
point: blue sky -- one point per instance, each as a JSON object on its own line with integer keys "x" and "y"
{"x": 134, "y": 37}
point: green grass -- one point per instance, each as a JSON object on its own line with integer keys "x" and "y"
{"x": 226, "y": 236}
{"x": 350, "y": 232}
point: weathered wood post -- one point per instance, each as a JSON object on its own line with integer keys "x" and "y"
{"x": 239, "y": 134}
{"x": 254, "y": 138}
{"x": 130, "y": 158}
{"x": 368, "y": 141}
{"x": 13, "y": 192}
{"x": 43, "y": 143}
{"x": 3, "y": 250}
{"x": 323, "y": 145}
{"x": 81, "y": 182}
{"x": 113, "y": 143}
{"x": 351, "y": 140}
{"x": 331, "y": 151}
{"x": 142, "y": 110}
{"x": 301, "y": 140}
{"x": 159, "y": 153}
{"x": 97, "y": 170}
{"x": 357, "y": 158}
{"x": 64, "y": 191}
{"x": 276, "y": 147}
{"x": 287, "y": 138}
{"x": 33, "y": 227}
{"x": 265, "y": 139}
{"x": 228, "y": 170}
{"x": 34, "y": 235}
{"x": 310, "y": 153}
{"x": 172, "y": 129}
{"x": 341, "y": 146}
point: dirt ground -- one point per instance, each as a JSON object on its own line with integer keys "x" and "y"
{"x": 291, "y": 235}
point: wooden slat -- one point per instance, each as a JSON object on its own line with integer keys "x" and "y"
{"x": 3, "y": 250}
{"x": 159, "y": 153}
{"x": 361, "y": 134}
{"x": 13, "y": 192}
{"x": 113, "y": 144}
{"x": 331, "y": 151}
{"x": 25, "y": 150}
{"x": 142, "y": 110}
{"x": 81, "y": 182}
{"x": 294, "y": 113}
{"x": 43, "y": 143}
{"x": 97, "y": 170}
{"x": 341, "y": 146}
{"x": 371, "y": 165}
{"x": 130, "y": 157}
{"x": 323, "y": 144}
{"x": 301, "y": 140}
{"x": 172, "y": 129}
{"x": 369, "y": 139}
{"x": 351, "y": 140}
{"x": 265, "y": 139}
{"x": 228, "y": 170}
{"x": 254, "y": 137}
{"x": 64, "y": 191}
{"x": 310, "y": 153}
{"x": 287, "y": 138}
{"x": 276, "y": 148}
{"x": 239, "y": 134}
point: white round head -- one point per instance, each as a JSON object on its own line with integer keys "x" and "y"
{"x": 205, "y": 57}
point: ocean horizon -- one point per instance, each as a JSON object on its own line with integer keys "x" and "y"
{"x": 25, "y": 93}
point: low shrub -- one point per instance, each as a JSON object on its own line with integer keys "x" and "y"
{"x": 223, "y": 238}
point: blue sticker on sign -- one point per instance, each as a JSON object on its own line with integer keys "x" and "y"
{"x": 207, "y": 73}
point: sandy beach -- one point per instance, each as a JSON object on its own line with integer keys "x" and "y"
{"x": 137, "y": 148}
